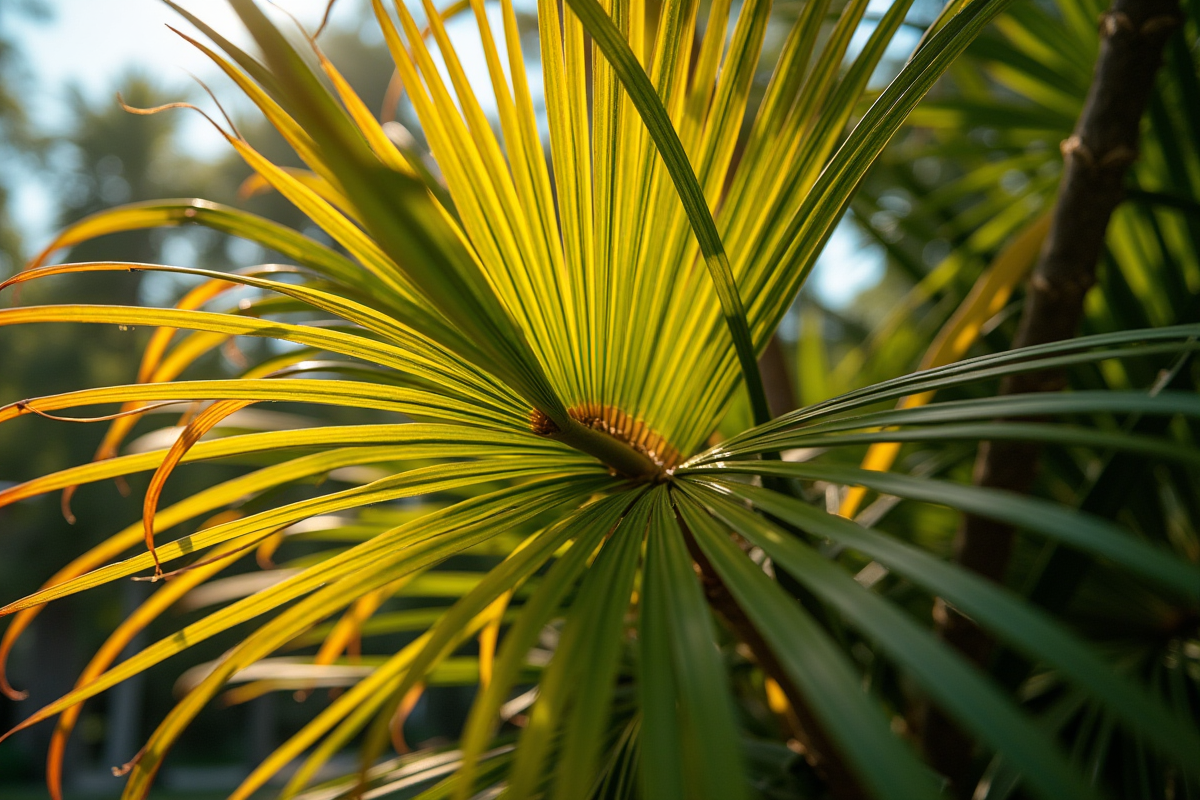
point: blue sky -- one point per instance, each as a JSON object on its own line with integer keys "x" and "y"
{"x": 89, "y": 43}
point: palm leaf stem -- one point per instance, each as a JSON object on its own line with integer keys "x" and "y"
{"x": 802, "y": 723}
{"x": 610, "y": 450}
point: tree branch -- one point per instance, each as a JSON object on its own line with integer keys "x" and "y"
{"x": 1096, "y": 158}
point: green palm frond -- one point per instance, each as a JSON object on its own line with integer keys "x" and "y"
{"x": 523, "y": 360}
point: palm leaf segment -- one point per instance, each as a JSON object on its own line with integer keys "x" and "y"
{"x": 566, "y": 336}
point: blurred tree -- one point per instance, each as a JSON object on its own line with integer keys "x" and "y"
{"x": 17, "y": 141}
{"x": 17, "y": 145}
{"x": 108, "y": 158}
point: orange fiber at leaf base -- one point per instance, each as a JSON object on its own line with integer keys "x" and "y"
{"x": 616, "y": 423}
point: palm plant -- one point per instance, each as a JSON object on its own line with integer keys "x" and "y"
{"x": 541, "y": 354}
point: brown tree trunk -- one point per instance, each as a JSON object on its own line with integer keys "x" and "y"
{"x": 777, "y": 378}
{"x": 1096, "y": 159}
